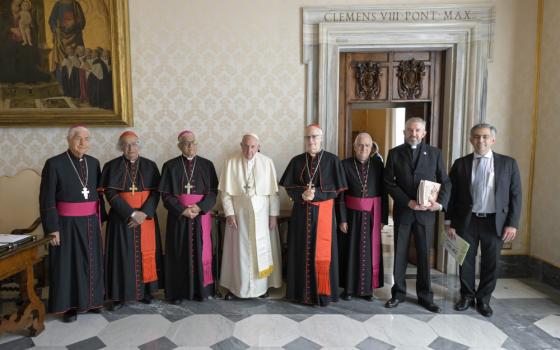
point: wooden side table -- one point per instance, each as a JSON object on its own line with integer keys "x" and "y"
{"x": 31, "y": 315}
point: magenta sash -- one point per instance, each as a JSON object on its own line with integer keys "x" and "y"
{"x": 206, "y": 223}
{"x": 76, "y": 209}
{"x": 373, "y": 205}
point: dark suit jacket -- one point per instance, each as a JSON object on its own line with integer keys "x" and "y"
{"x": 402, "y": 180}
{"x": 507, "y": 191}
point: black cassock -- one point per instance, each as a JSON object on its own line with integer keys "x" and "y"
{"x": 76, "y": 265}
{"x": 183, "y": 238}
{"x": 302, "y": 236}
{"x": 355, "y": 247}
{"x": 123, "y": 255}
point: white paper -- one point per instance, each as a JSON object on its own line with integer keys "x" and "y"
{"x": 457, "y": 248}
{"x": 12, "y": 239}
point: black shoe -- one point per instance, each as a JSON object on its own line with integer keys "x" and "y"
{"x": 265, "y": 295}
{"x": 95, "y": 311}
{"x": 430, "y": 306}
{"x": 368, "y": 297}
{"x": 464, "y": 303}
{"x": 229, "y": 296}
{"x": 347, "y": 296}
{"x": 391, "y": 303}
{"x": 70, "y": 316}
{"x": 147, "y": 299}
{"x": 198, "y": 298}
{"x": 115, "y": 305}
{"x": 484, "y": 309}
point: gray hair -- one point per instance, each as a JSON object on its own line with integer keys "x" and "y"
{"x": 74, "y": 129}
{"x": 363, "y": 134}
{"x": 415, "y": 120}
{"x": 120, "y": 143}
{"x": 492, "y": 128}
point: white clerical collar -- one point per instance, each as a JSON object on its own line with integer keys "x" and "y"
{"x": 487, "y": 155}
{"x": 190, "y": 158}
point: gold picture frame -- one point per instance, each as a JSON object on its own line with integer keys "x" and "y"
{"x": 77, "y": 88}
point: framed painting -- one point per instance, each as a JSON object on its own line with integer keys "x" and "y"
{"x": 64, "y": 62}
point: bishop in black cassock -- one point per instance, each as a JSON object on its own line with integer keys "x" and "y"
{"x": 313, "y": 180}
{"x": 188, "y": 186}
{"x": 71, "y": 212}
{"x": 133, "y": 261}
{"x": 362, "y": 211}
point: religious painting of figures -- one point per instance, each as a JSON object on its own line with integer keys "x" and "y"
{"x": 64, "y": 62}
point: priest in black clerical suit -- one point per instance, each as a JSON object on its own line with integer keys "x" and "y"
{"x": 133, "y": 259}
{"x": 188, "y": 187}
{"x": 71, "y": 213}
{"x": 313, "y": 180}
{"x": 484, "y": 209}
{"x": 362, "y": 211}
{"x": 407, "y": 165}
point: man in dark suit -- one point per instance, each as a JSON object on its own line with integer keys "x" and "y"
{"x": 484, "y": 209}
{"x": 407, "y": 165}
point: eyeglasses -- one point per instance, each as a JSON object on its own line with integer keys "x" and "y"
{"x": 314, "y": 137}
{"x": 188, "y": 143}
{"x": 130, "y": 145}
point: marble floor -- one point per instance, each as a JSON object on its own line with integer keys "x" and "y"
{"x": 526, "y": 316}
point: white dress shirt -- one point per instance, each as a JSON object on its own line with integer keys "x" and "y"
{"x": 486, "y": 204}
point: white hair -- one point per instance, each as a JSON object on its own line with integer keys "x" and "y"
{"x": 363, "y": 134}
{"x": 75, "y": 129}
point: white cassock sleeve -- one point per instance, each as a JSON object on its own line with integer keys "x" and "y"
{"x": 274, "y": 205}
{"x": 227, "y": 204}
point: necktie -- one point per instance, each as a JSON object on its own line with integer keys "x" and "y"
{"x": 479, "y": 183}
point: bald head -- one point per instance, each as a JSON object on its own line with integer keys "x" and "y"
{"x": 362, "y": 146}
{"x": 313, "y": 138}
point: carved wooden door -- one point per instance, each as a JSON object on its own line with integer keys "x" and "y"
{"x": 412, "y": 80}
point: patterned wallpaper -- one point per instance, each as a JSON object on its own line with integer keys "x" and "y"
{"x": 545, "y": 233}
{"x": 221, "y": 68}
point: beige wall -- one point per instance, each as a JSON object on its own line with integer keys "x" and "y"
{"x": 545, "y": 231}
{"x": 223, "y": 67}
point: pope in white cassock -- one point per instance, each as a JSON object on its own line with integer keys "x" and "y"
{"x": 251, "y": 259}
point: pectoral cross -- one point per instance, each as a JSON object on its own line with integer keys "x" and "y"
{"x": 133, "y": 188}
{"x": 85, "y": 192}
{"x": 188, "y": 186}
{"x": 364, "y": 191}
{"x": 310, "y": 186}
{"x": 247, "y": 188}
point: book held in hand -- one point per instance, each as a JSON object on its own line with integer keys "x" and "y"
{"x": 427, "y": 191}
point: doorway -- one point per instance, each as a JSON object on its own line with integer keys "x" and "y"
{"x": 379, "y": 91}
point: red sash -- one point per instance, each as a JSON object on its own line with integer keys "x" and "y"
{"x": 147, "y": 236}
{"x": 373, "y": 205}
{"x": 323, "y": 246}
{"x": 206, "y": 223}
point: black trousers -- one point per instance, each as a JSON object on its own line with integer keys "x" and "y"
{"x": 481, "y": 231}
{"x": 423, "y": 240}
